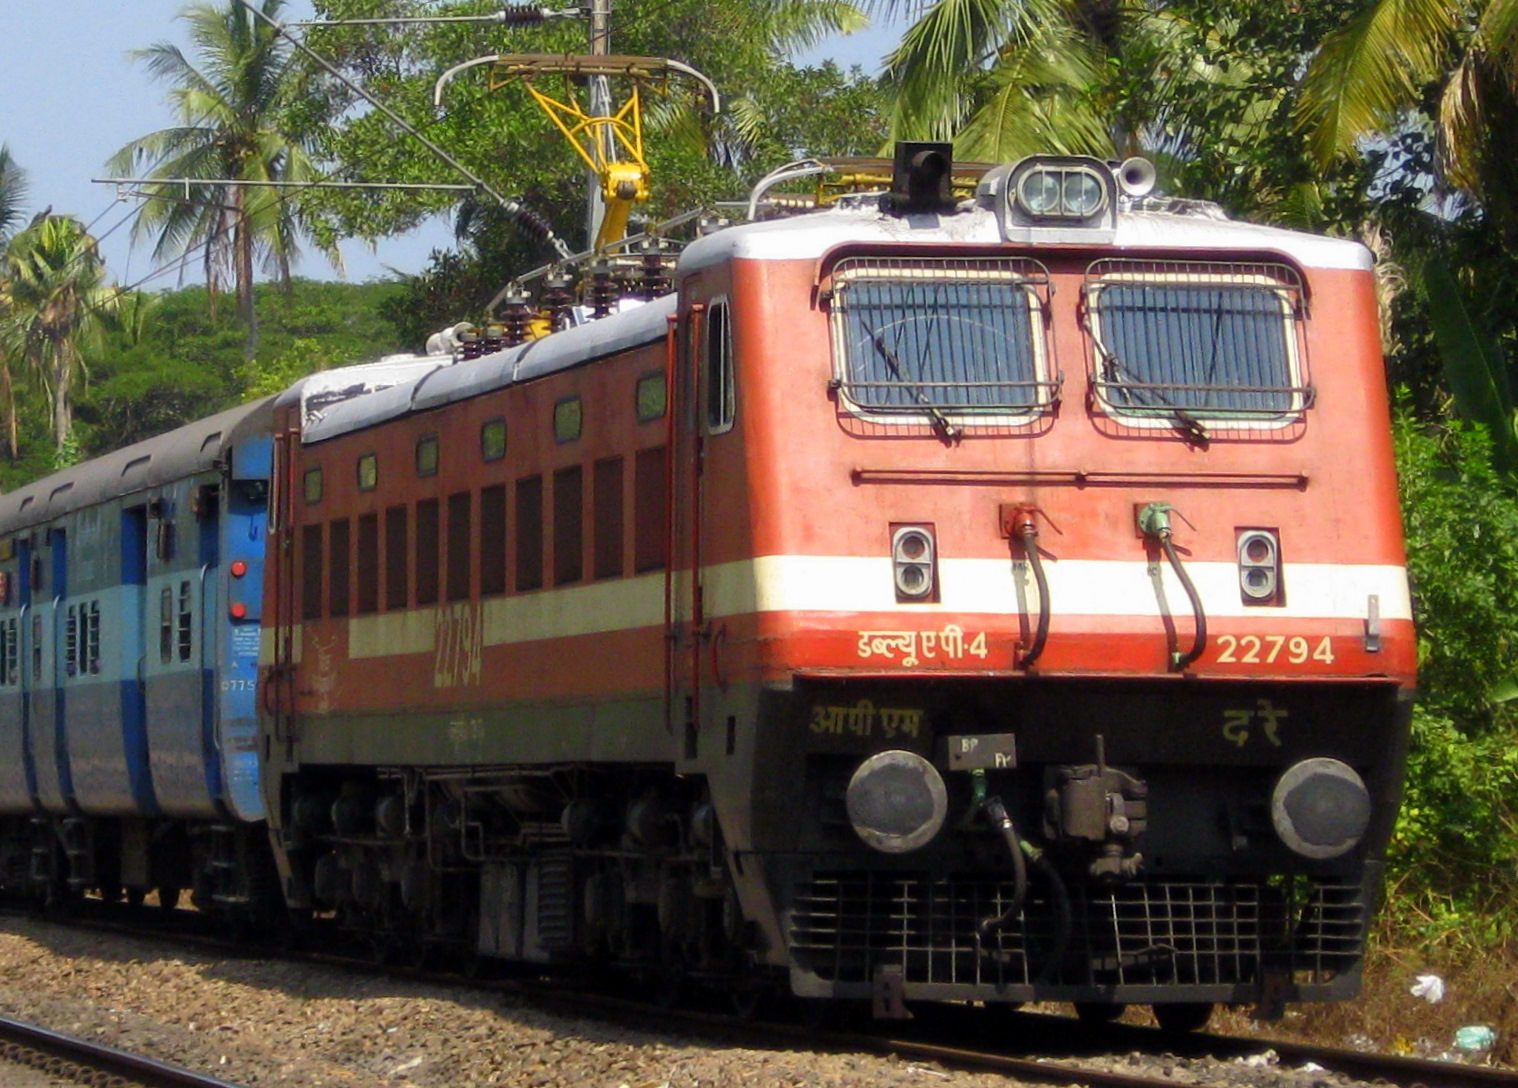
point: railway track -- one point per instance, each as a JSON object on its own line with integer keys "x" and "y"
{"x": 1030, "y": 1047}
{"x": 93, "y": 1064}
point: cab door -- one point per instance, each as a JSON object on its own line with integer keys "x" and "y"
{"x": 703, "y": 409}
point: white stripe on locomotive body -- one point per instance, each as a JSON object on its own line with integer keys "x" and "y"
{"x": 971, "y": 588}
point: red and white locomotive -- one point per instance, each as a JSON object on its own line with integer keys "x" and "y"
{"x": 998, "y": 598}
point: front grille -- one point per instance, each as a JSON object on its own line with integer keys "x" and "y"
{"x": 844, "y": 925}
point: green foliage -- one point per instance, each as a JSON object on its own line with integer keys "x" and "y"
{"x": 181, "y": 363}
{"x": 1457, "y": 839}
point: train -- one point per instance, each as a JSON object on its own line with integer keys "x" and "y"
{"x": 988, "y": 588}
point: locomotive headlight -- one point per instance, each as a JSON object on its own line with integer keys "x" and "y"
{"x": 896, "y": 801}
{"x": 1320, "y": 808}
{"x": 1259, "y": 566}
{"x": 914, "y": 563}
{"x": 1065, "y": 191}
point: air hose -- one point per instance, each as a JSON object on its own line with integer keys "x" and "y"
{"x": 1154, "y": 522}
{"x": 1022, "y": 852}
{"x": 998, "y": 813}
{"x": 1029, "y": 535}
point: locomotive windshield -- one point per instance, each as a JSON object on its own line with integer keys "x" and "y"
{"x": 940, "y": 336}
{"x": 1214, "y": 341}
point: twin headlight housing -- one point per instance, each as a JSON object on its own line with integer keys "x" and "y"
{"x": 1062, "y": 197}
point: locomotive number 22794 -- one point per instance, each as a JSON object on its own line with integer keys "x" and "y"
{"x": 1269, "y": 649}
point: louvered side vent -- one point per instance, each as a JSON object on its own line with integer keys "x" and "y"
{"x": 556, "y": 902}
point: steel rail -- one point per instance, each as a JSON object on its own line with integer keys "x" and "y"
{"x": 56, "y": 1052}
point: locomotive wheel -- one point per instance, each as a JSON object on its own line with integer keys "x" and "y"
{"x": 1099, "y": 1012}
{"x": 168, "y": 897}
{"x": 1183, "y": 1016}
{"x": 135, "y": 896}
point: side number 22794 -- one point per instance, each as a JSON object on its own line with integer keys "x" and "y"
{"x": 1269, "y": 649}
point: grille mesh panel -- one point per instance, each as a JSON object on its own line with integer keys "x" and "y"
{"x": 844, "y": 925}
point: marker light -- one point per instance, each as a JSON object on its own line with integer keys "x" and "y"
{"x": 1259, "y": 566}
{"x": 239, "y": 610}
{"x": 239, "y": 568}
{"x": 914, "y": 563}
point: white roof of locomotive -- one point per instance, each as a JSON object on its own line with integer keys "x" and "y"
{"x": 339, "y": 402}
{"x": 1194, "y": 225}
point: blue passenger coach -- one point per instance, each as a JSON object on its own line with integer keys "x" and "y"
{"x": 130, "y": 595}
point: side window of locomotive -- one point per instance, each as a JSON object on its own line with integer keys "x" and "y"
{"x": 529, "y": 536}
{"x": 717, "y": 364}
{"x": 367, "y": 567}
{"x": 493, "y": 540}
{"x": 339, "y": 567}
{"x": 426, "y": 551}
{"x": 460, "y": 537}
{"x": 311, "y": 572}
{"x": 1182, "y": 341}
{"x": 568, "y": 525}
{"x": 397, "y": 558}
{"x": 650, "y": 509}
{"x": 918, "y": 341}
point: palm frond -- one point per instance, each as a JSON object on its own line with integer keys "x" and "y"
{"x": 1371, "y": 69}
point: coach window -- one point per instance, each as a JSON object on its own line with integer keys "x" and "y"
{"x": 426, "y": 455}
{"x": 12, "y": 663}
{"x": 92, "y": 636}
{"x": 529, "y": 535}
{"x": 717, "y": 361}
{"x": 166, "y": 625}
{"x": 367, "y": 567}
{"x": 313, "y": 485}
{"x": 568, "y": 528}
{"x": 311, "y": 572}
{"x": 71, "y": 641}
{"x": 460, "y": 537}
{"x": 397, "y": 558}
{"x": 368, "y": 472}
{"x": 493, "y": 440}
{"x": 185, "y": 628}
{"x": 1179, "y": 341}
{"x": 339, "y": 567}
{"x": 426, "y": 551}
{"x": 568, "y": 417}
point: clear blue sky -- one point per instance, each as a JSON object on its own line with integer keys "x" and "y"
{"x": 73, "y": 97}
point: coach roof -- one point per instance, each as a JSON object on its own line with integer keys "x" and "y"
{"x": 141, "y": 466}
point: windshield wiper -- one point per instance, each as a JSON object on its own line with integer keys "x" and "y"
{"x": 1188, "y": 425}
{"x": 940, "y": 421}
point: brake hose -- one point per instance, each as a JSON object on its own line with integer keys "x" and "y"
{"x": 1154, "y": 522}
{"x": 1028, "y": 533}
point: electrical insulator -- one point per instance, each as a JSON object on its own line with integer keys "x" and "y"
{"x": 517, "y": 316}
{"x": 604, "y": 289}
{"x": 521, "y": 15}
{"x": 558, "y": 300}
{"x": 654, "y": 274}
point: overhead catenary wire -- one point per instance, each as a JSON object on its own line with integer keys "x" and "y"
{"x": 519, "y": 212}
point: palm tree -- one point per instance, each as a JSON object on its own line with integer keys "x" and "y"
{"x": 1376, "y": 73}
{"x": 229, "y": 109}
{"x": 12, "y": 195}
{"x": 56, "y": 304}
{"x": 1006, "y": 78}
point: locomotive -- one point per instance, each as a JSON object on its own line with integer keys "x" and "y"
{"x": 973, "y": 591}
